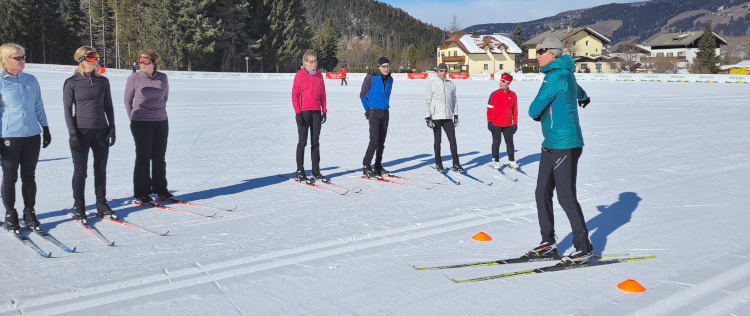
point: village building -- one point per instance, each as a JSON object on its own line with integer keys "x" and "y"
{"x": 478, "y": 54}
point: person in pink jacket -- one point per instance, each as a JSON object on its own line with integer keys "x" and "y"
{"x": 309, "y": 102}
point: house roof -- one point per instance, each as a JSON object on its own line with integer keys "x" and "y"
{"x": 742, "y": 64}
{"x": 479, "y": 44}
{"x": 562, "y": 34}
{"x": 678, "y": 39}
{"x": 598, "y": 58}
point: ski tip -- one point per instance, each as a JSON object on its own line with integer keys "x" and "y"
{"x": 164, "y": 234}
{"x": 46, "y": 255}
{"x": 71, "y": 250}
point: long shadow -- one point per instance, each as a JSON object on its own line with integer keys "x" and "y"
{"x": 529, "y": 159}
{"x": 610, "y": 218}
{"x": 424, "y": 160}
{"x": 53, "y": 159}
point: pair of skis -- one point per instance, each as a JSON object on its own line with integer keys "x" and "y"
{"x": 331, "y": 188}
{"x": 155, "y": 204}
{"x": 553, "y": 268}
{"x": 464, "y": 174}
{"x": 34, "y": 247}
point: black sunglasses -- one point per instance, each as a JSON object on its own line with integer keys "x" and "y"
{"x": 19, "y": 58}
{"x": 541, "y": 51}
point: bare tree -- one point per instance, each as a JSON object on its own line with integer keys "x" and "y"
{"x": 454, "y": 28}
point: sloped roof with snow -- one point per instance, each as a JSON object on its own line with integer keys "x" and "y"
{"x": 480, "y": 44}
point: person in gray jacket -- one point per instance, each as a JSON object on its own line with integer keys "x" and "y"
{"x": 441, "y": 112}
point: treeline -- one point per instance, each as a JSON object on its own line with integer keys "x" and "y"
{"x": 219, "y": 35}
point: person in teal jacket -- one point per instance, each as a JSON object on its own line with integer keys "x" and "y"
{"x": 555, "y": 107}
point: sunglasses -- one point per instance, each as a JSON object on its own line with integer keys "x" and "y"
{"x": 541, "y": 51}
{"x": 504, "y": 81}
{"x": 442, "y": 70}
{"x": 92, "y": 56}
{"x": 313, "y": 61}
{"x": 145, "y": 60}
{"x": 19, "y": 58}
{"x": 385, "y": 66}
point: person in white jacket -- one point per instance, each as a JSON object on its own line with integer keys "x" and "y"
{"x": 441, "y": 112}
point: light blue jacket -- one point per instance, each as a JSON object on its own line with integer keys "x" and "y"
{"x": 556, "y": 105}
{"x": 21, "y": 107}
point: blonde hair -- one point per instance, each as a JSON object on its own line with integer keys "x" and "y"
{"x": 308, "y": 54}
{"x": 151, "y": 54}
{"x": 80, "y": 53}
{"x": 6, "y": 50}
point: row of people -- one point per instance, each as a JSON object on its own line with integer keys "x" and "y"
{"x": 556, "y": 102}
{"x": 90, "y": 119}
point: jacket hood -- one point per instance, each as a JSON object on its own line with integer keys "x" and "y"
{"x": 563, "y": 62}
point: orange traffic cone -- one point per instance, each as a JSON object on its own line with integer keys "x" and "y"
{"x": 481, "y": 236}
{"x": 631, "y": 286}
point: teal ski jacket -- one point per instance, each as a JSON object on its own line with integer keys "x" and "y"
{"x": 556, "y": 105}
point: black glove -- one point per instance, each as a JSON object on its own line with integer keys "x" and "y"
{"x": 490, "y": 127}
{"x": 455, "y": 121}
{"x": 2, "y": 147}
{"x": 323, "y": 119}
{"x": 75, "y": 142}
{"x": 515, "y": 128}
{"x": 367, "y": 113}
{"x": 430, "y": 123}
{"x": 111, "y": 136}
{"x": 46, "y": 137}
{"x": 300, "y": 120}
{"x": 538, "y": 119}
{"x": 584, "y": 103}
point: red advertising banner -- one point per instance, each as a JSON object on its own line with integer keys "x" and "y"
{"x": 418, "y": 76}
{"x": 333, "y": 75}
{"x": 459, "y": 76}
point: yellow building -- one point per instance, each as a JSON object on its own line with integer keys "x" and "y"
{"x": 578, "y": 42}
{"x": 595, "y": 64}
{"x": 478, "y": 54}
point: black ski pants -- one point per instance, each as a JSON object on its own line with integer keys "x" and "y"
{"x": 343, "y": 81}
{"x": 378, "y": 130}
{"x": 450, "y": 131}
{"x": 94, "y": 139}
{"x": 150, "y": 171}
{"x": 558, "y": 169}
{"x": 507, "y": 133}
{"x": 313, "y": 122}
{"x": 20, "y": 152}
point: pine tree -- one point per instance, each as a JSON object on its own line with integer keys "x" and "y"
{"x": 706, "y": 57}
{"x": 518, "y": 38}
{"x": 325, "y": 44}
{"x": 289, "y": 33}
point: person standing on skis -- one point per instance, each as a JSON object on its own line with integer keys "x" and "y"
{"x": 502, "y": 120}
{"x": 309, "y": 102}
{"x": 441, "y": 112}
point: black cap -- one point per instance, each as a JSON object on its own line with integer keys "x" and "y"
{"x": 383, "y": 60}
{"x": 442, "y": 66}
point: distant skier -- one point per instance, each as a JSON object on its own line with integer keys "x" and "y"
{"x": 376, "y": 96}
{"x": 134, "y": 66}
{"x": 309, "y": 102}
{"x": 22, "y": 118}
{"x": 502, "y": 120}
{"x": 561, "y": 149}
{"x": 343, "y": 77}
{"x": 441, "y": 112}
{"x": 90, "y": 117}
{"x": 146, "y": 95}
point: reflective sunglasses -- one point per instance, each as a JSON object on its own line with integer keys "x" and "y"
{"x": 91, "y": 56}
{"x": 442, "y": 70}
{"x": 504, "y": 81}
{"x": 19, "y": 58}
{"x": 145, "y": 60}
{"x": 541, "y": 51}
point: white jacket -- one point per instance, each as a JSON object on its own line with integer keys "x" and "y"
{"x": 440, "y": 99}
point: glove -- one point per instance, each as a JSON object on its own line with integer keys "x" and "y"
{"x": 584, "y": 103}
{"x": 300, "y": 120}
{"x": 46, "y": 137}
{"x": 430, "y": 123}
{"x": 538, "y": 119}
{"x": 323, "y": 119}
{"x": 455, "y": 121}
{"x": 490, "y": 127}
{"x": 75, "y": 142}
{"x": 367, "y": 114}
{"x": 111, "y": 136}
{"x": 515, "y": 128}
{"x": 2, "y": 147}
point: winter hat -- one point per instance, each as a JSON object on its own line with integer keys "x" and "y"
{"x": 383, "y": 60}
{"x": 506, "y": 77}
{"x": 442, "y": 66}
{"x": 553, "y": 44}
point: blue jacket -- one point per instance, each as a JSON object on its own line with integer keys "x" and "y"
{"x": 21, "y": 107}
{"x": 375, "y": 94}
{"x": 556, "y": 105}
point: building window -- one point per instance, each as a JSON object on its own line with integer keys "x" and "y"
{"x": 587, "y": 43}
{"x": 680, "y": 53}
{"x": 599, "y": 66}
{"x": 501, "y": 67}
{"x": 659, "y": 54}
{"x": 670, "y": 54}
{"x": 486, "y": 67}
{"x": 596, "y": 50}
{"x": 574, "y": 43}
{"x": 584, "y": 66}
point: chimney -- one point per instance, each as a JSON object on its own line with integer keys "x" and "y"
{"x": 568, "y": 28}
{"x": 681, "y": 31}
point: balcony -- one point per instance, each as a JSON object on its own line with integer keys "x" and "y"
{"x": 454, "y": 59}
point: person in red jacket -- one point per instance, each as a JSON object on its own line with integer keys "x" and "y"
{"x": 309, "y": 102}
{"x": 343, "y": 77}
{"x": 502, "y": 120}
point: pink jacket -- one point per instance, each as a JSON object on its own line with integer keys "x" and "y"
{"x": 308, "y": 92}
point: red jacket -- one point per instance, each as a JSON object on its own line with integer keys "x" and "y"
{"x": 502, "y": 108}
{"x": 308, "y": 92}
{"x": 343, "y": 73}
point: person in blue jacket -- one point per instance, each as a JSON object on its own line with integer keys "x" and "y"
{"x": 22, "y": 119}
{"x": 375, "y": 96}
{"x": 555, "y": 107}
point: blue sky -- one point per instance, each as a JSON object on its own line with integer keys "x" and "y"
{"x": 470, "y": 12}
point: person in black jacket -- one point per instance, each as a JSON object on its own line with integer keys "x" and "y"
{"x": 90, "y": 117}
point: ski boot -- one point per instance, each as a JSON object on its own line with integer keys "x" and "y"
{"x": 11, "y": 220}
{"x": 459, "y": 169}
{"x": 105, "y": 211}
{"x": 577, "y": 257}
{"x": 545, "y": 249}
{"x": 79, "y": 214}
{"x": 513, "y": 164}
{"x": 301, "y": 177}
{"x": 317, "y": 176}
{"x": 367, "y": 172}
{"x": 29, "y": 217}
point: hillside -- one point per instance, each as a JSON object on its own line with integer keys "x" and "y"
{"x": 640, "y": 20}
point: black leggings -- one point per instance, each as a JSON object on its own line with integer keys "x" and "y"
{"x": 450, "y": 131}
{"x": 378, "y": 131}
{"x": 313, "y": 123}
{"x": 96, "y": 140}
{"x": 150, "y": 171}
{"x": 506, "y": 132}
{"x": 23, "y": 152}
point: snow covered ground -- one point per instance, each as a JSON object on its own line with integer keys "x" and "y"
{"x": 661, "y": 174}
